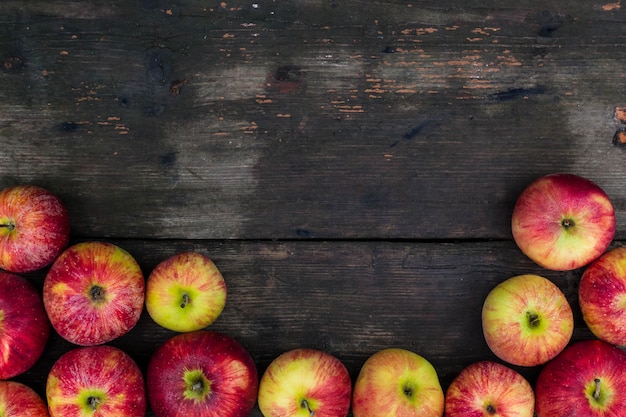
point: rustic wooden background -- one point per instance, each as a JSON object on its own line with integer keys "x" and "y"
{"x": 350, "y": 166}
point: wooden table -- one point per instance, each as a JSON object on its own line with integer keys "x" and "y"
{"x": 350, "y": 166}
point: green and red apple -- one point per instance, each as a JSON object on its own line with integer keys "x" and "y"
{"x": 95, "y": 381}
{"x": 185, "y": 292}
{"x": 305, "y": 382}
{"x": 527, "y": 320}
{"x": 34, "y": 228}
{"x": 586, "y": 379}
{"x": 397, "y": 382}
{"x": 19, "y": 400}
{"x": 24, "y": 326}
{"x": 602, "y": 296}
{"x": 201, "y": 373}
{"x": 563, "y": 221}
{"x": 488, "y": 388}
{"x": 94, "y": 293}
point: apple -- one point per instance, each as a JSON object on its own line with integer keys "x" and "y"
{"x": 397, "y": 382}
{"x": 586, "y": 379}
{"x": 602, "y": 296}
{"x": 201, "y": 373}
{"x": 34, "y": 228}
{"x": 563, "y": 221}
{"x": 19, "y": 400}
{"x": 527, "y": 320}
{"x": 24, "y": 327}
{"x": 488, "y": 388}
{"x": 95, "y": 380}
{"x": 305, "y": 382}
{"x": 94, "y": 293}
{"x": 185, "y": 292}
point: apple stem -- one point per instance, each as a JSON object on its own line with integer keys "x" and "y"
{"x": 491, "y": 409}
{"x": 93, "y": 402}
{"x": 9, "y": 225}
{"x": 305, "y": 404}
{"x": 596, "y": 392}
{"x": 567, "y": 223}
{"x": 186, "y": 301}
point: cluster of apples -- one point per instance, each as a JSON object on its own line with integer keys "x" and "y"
{"x": 93, "y": 293}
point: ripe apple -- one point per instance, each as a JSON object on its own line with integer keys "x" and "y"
{"x": 527, "y": 320}
{"x": 488, "y": 388}
{"x": 602, "y": 296}
{"x": 563, "y": 221}
{"x": 24, "y": 327}
{"x": 34, "y": 228}
{"x": 19, "y": 400}
{"x": 397, "y": 382}
{"x": 185, "y": 292}
{"x": 305, "y": 383}
{"x": 586, "y": 379}
{"x": 95, "y": 381}
{"x": 93, "y": 293}
{"x": 201, "y": 373}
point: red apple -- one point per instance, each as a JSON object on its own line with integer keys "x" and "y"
{"x": 94, "y": 293}
{"x": 185, "y": 292}
{"x": 602, "y": 296}
{"x": 488, "y": 388}
{"x": 24, "y": 327}
{"x": 19, "y": 400}
{"x": 96, "y": 381}
{"x": 587, "y": 379}
{"x": 34, "y": 228}
{"x": 396, "y": 382}
{"x": 304, "y": 383}
{"x": 201, "y": 373}
{"x": 563, "y": 221}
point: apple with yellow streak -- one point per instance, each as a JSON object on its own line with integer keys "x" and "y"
{"x": 397, "y": 382}
{"x": 527, "y": 320}
{"x": 185, "y": 292}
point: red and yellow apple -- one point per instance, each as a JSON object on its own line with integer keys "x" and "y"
{"x": 201, "y": 373}
{"x": 24, "y": 327}
{"x": 563, "y": 221}
{"x": 95, "y": 381}
{"x": 397, "y": 382}
{"x": 602, "y": 296}
{"x": 586, "y": 379}
{"x": 488, "y": 388}
{"x": 185, "y": 292}
{"x": 19, "y": 400}
{"x": 94, "y": 293}
{"x": 527, "y": 320}
{"x": 305, "y": 382}
{"x": 34, "y": 228}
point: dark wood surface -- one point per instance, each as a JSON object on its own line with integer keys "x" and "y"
{"x": 350, "y": 166}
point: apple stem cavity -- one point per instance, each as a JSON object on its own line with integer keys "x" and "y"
{"x": 93, "y": 402}
{"x": 97, "y": 293}
{"x": 567, "y": 223}
{"x": 491, "y": 409}
{"x": 9, "y": 225}
{"x": 186, "y": 300}
{"x": 533, "y": 319}
{"x": 305, "y": 404}
{"x": 596, "y": 391}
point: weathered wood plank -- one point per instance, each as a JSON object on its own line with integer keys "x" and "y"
{"x": 305, "y": 119}
{"x": 347, "y": 298}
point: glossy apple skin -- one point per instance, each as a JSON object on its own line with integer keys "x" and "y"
{"x": 24, "y": 326}
{"x": 304, "y": 381}
{"x": 19, "y": 400}
{"x": 68, "y": 293}
{"x": 602, "y": 296}
{"x": 537, "y": 221}
{"x": 39, "y": 230}
{"x": 185, "y": 292}
{"x": 231, "y": 376}
{"x": 385, "y": 380}
{"x": 105, "y": 372}
{"x": 566, "y": 384}
{"x": 488, "y": 388}
{"x": 505, "y": 316}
